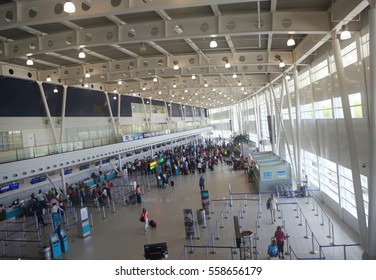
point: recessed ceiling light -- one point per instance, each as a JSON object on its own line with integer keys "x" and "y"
{"x": 69, "y": 7}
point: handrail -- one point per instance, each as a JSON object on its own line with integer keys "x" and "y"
{"x": 341, "y": 245}
{"x": 52, "y": 149}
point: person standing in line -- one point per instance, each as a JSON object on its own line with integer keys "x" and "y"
{"x": 279, "y": 235}
{"x": 145, "y": 218}
{"x": 138, "y": 194}
{"x": 273, "y": 206}
{"x": 202, "y": 183}
{"x": 273, "y": 250}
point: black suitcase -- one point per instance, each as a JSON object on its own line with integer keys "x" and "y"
{"x": 172, "y": 183}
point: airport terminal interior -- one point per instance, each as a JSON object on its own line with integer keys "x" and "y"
{"x": 269, "y": 97}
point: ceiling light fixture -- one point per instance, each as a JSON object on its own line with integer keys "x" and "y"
{"x": 174, "y": 85}
{"x": 86, "y": 85}
{"x": 115, "y": 91}
{"x": 239, "y": 83}
{"x": 87, "y": 75}
{"x": 234, "y": 76}
{"x": 55, "y": 90}
{"x": 227, "y": 65}
{"x": 290, "y": 42}
{"x": 206, "y": 84}
{"x": 176, "y": 65}
{"x": 48, "y": 79}
{"x": 282, "y": 64}
{"x": 345, "y": 33}
{"x": 213, "y": 43}
{"x": 114, "y": 97}
{"x": 144, "y": 87}
{"x": 81, "y": 54}
{"x": 155, "y": 79}
{"x": 193, "y": 77}
{"x": 29, "y": 61}
{"x": 69, "y": 7}
{"x": 120, "y": 82}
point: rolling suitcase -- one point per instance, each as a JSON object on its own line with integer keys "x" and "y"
{"x": 172, "y": 183}
{"x": 152, "y": 223}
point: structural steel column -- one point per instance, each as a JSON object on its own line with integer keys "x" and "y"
{"x": 111, "y": 116}
{"x": 118, "y": 115}
{"x": 371, "y": 246}
{"x": 298, "y": 128}
{"x": 282, "y": 128}
{"x": 291, "y": 122}
{"x": 351, "y": 141}
{"x": 62, "y": 125}
{"x": 146, "y": 116}
{"x": 41, "y": 90}
{"x": 273, "y": 138}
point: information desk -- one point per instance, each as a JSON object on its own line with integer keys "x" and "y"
{"x": 269, "y": 170}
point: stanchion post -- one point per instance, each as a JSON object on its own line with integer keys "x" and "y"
{"x": 301, "y": 218}
{"x": 104, "y": 212}
{"x": 330, "y": 228}
{"x": 297, "y": 211}
{"x": 191, "y": 244}
{"x": 287, "y": 245}
{"x": 91, "y": 220}
{"x": 212, "y": 246}
{"x": 217, "y": 229}
{"x": 306, "y": 227}
{"x": 257, "y": 227}
{"x": 332, "y": 235}
{"x": 313, "y": 244}
{"x": 113, "y": 207}
{"x": 322, "y": 218}
{"x": 198, "y": 231}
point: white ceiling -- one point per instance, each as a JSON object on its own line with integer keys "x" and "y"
{"x": 134, "y": 41}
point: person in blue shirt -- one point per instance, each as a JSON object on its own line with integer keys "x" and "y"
{"x": 202, "y": 183}
{"x": 273, "y": 250}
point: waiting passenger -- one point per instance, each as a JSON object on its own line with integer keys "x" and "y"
{"x": 273, "y": 250}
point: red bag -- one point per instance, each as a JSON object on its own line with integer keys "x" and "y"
{"x": 152, "y": 223}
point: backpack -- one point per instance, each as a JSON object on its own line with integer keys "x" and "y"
{"x": 268, "y": 203}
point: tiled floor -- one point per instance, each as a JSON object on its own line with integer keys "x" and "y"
{"x": 121, "y": 236}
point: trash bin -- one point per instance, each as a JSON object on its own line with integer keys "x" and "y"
{"x": 45, "y": 253}
{"x": 201, "y": 217}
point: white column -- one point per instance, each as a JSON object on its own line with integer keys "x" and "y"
{"x": 63, "y": 106}
{"x": 111, "y": 116}
{"x": 293, "y": 159}
{"x": 351, "y": 141}
{"x": 283, "y": 130}
{"x": 298, "y": 127}
{"x": 371, "y": 248}
{"x": 118, "y": 115}
{"x": 41, "y": 90}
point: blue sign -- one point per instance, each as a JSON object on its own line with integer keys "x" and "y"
{"x": 268, "y": 175}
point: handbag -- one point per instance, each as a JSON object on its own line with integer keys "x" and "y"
{"x": 142, "y": 219}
